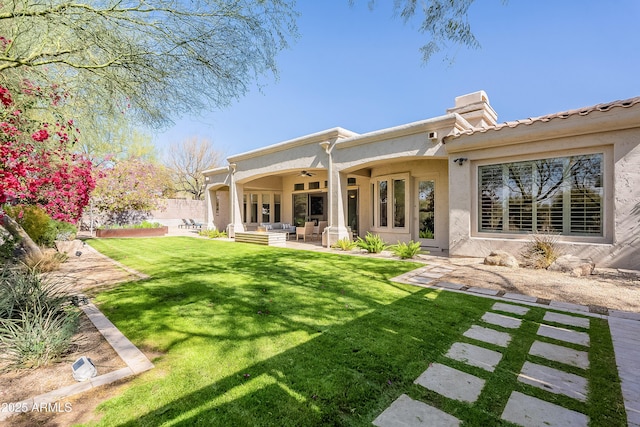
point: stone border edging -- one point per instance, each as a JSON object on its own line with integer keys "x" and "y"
{"x": 135, "y": 360}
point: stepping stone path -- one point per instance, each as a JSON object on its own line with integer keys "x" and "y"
{"x": 520, "y": 409}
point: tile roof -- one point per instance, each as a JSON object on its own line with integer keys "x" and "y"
{"x": 626, "y": 103}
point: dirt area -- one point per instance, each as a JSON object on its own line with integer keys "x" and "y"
{"x": 605, "y": 289}
{"x": 91, "y": 271}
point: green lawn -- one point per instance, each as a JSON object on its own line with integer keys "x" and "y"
{"x": 251, "y": 335}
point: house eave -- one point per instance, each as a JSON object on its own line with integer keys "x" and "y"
{"x": 453, "y": 120}
{"x": 326, "y": 135}
{"x": 537, "y": 130}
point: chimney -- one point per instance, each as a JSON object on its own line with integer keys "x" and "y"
{"x": 475, "y": 108}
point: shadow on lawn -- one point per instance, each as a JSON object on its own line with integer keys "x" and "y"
{"x": 346, "y": 375}
{"x": 276, "y": 287}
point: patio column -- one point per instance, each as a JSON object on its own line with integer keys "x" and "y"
{"x": 337, "y": 183}
{"x": 236, "y": 193}
{"x": 210, "y": 200}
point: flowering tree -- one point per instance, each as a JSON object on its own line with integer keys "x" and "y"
{"x": 130, "y": 186}
{"x": 37, "y": 166}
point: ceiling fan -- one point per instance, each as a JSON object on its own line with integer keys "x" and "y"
{"x": 306, "y": 173}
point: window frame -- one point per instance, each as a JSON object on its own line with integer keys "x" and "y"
{"x": 606, "y": 188}
{"x": 247, "y": 206}
{"x": 390, "y": 205}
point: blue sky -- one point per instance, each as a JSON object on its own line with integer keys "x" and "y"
{"x": 362, "y": 70}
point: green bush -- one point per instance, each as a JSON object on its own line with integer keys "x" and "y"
{"x": 213, "y": 234}
{"x": 345, "y": 244}
{"x": 7, "y": 245}
{"x": 426, "y": 234}
{"x": 32, "y": 219}
{"x": 373, "y": 243}
{"x": 406, "y": 250}
{"x": 37, "y": 320}
{"x": 143, "y": 224}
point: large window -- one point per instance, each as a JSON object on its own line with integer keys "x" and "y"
{"x": 261, "y": 207}
{"x": 390, "y": 200}
{"x": 561, "y": 195}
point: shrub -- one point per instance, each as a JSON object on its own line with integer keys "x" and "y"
{"x": 32, "y": 219}
{"x": 213, "y": 234}
{"x": 345, "y": 244}
{"x": 426, "y": 234}
{"x": 60, "y": 230}
{"x": 406, "y": 250}
{"x": 143, "y": 224}
{"x": 373, "y": 243}
{"x": 36, "y": 319}
{"x": 50, "y": 260}
{"x": 541, "y": 251}
{"x": 7, "y": 245}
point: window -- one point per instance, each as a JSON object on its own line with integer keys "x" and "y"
{"x": 254, "y": 208}
{"x": 266, "y": 208}
{"x": 314, "y": 185}
{"x": 398, "y": 203}
{"x": 562, "y": 195}
{"x": 382, "y": 200}
{"x": 261, "y": 207}
{"x": 217, "y": 205}
{"x": 390, "y": 202}
{"x": 276, "y": 208}
{"x": 298, "y": 187}
{"x": 351, "y": 181}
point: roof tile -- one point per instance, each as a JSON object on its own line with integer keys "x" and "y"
{"x": 626, "y": 103}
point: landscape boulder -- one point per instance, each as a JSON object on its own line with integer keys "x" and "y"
{"x": 502, "y": 258}
{"x": 68, "y": 247}
{"x": 573, "y": 265}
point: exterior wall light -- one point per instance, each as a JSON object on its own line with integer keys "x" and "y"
{"x": 460, "y": 160}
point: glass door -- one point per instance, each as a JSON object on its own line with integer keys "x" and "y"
{"x": 426, "y": 217}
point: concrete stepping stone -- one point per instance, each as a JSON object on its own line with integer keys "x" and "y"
{"x": 405, "y": 411}
{"x": 581, "y": 322}
{"x": 422, "y": 280}
{"x": 474, "y": 356}
{"x": 569, "y": 306}
{"x": 520, "y": 297}
{"x": 451, "y": 383}
{"x": 554, "y": 380}
{"x": 449, "y": 285}
{"x": 558, "y": 353}
{"x": 501, "y": 320}
{"x": 510, "y": 308}
{"x": 483, "y": 291}
{"x": 488, "y": 335}
{"x": 561, "y": 334}
{"x": 529, "y": 411}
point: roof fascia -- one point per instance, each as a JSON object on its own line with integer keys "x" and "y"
{"x": 574, "y": 125}
{"x": 453, "y": 119}
{"x": 329, "y": 134}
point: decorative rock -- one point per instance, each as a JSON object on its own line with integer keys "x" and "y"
{"x": 573, "y": 265}
{"x": 502, "y": 258}
{"x": 68, "y": 247}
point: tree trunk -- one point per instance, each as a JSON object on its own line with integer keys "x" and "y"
{"x": 29, "y": 246}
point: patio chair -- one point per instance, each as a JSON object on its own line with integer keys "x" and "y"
{"x": 185, "y": 224}
{"x": 305, "y": 231}
{"x": 320, "y": 228}
{"x": 195, "y": 224}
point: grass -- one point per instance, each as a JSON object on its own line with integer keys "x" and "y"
{"x": 251, "y": 335}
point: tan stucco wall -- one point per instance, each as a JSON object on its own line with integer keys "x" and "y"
{"x": 176, "y": 209}
{"x": 620, "y": 244}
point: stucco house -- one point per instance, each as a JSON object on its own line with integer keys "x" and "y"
{"x": 460, "y": 183}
